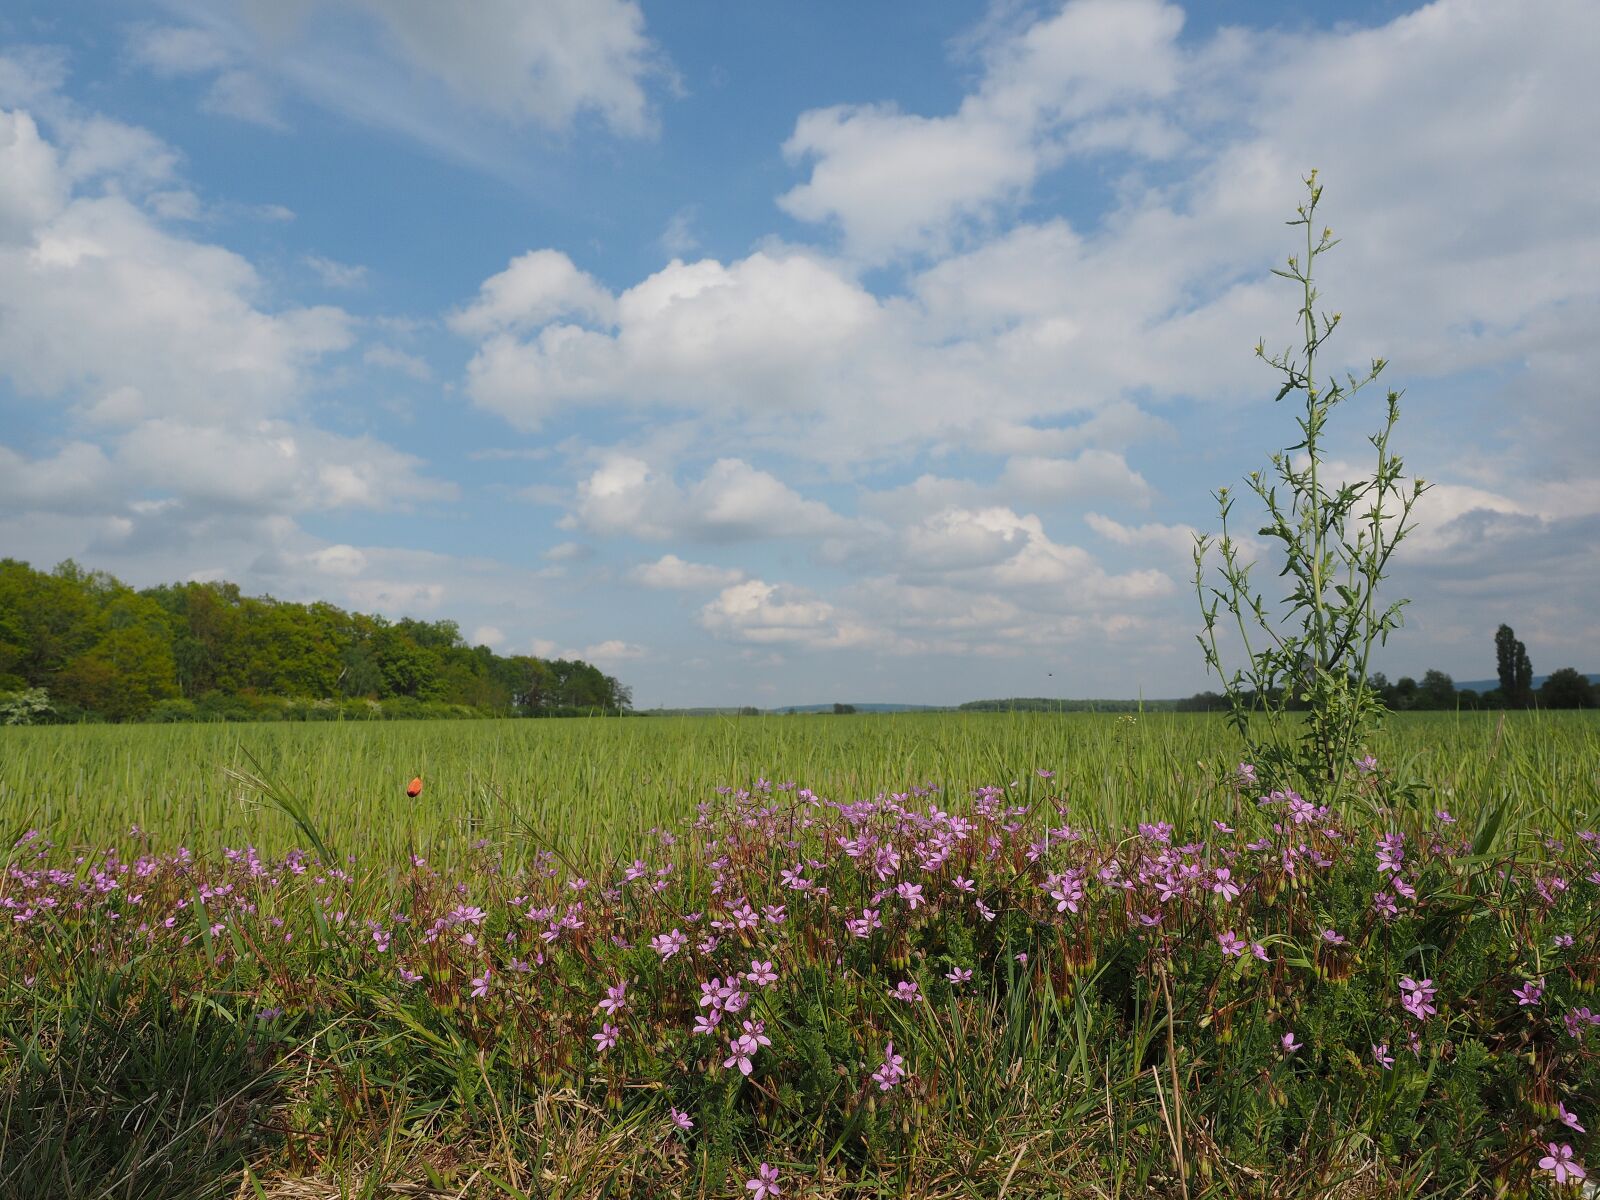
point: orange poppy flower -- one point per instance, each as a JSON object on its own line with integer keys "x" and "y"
{"x": 414, "y": 788}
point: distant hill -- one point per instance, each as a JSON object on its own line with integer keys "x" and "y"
{"x": 1489, "y": 685}
{"x": 686, "y": 712}
{"x": 1050, "y": 704}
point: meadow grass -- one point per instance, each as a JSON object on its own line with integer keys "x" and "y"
{"x": 958, "y": 956}
{"x": 592, "y": 787}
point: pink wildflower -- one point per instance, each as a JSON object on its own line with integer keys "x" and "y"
{"x": 1066, "y": 890}
{"x": 1560, "y": 1163}
{"x": 668, "y": 944}
{"x": 1528, "y": 994}
{"x": 892, "y": 1071}
{"x": 606, "y": 1038}
{"x": 764, "y": 1184}
{"x": 793, "y": 879}
{"x": 742, "y": 1049}
{"x": 1418, "y": 998}
{"x": 616, "y": 999}
{"x": 863, "y": 926}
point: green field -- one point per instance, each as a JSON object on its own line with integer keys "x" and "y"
{"x": 1171, "y": 985}
{"x": 592, "y": 785}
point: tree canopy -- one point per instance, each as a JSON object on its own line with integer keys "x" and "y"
{"x": 103, "y": 650}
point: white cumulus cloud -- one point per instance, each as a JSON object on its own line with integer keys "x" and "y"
{"x": 671, "y": 572}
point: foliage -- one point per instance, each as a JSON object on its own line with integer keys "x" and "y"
{"x": 1513, "y": 667}
{"x": 1335, "y": 541}
{"x": 204, "y": 651}
{"x": 1567, "y": 688}
{"x": 31, "y": 706}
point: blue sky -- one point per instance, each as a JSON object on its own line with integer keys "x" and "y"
{"x": 776, "y": 354}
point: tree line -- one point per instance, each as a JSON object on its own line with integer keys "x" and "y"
{"x": 77, "y": 644}
{"x": 1435, "y": 691}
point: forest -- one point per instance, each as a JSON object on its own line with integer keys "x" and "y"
{"x": 78, "y": 644}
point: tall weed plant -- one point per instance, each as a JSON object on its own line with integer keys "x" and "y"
{"x": 1301, "y": 699}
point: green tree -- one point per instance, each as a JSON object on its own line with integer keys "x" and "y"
{"x": 209, "y": 640}
{"x": 1438, "y": 690}
{"x": 49, "y": 619}
{"x": 530, "y": 681}
{"x": 1567, "y": 688}
{"x": 112, "y": 652}
{"x": 407, "y": 669}
{"x": 1513, "y": 667}
{"x": 123, "y": 675}
{"x": 13, "y": 647}
{"x": 283, "y": 652}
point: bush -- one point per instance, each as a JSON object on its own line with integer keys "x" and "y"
{"x": 168, "y": 711}
{"x": 30, "y": 706}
